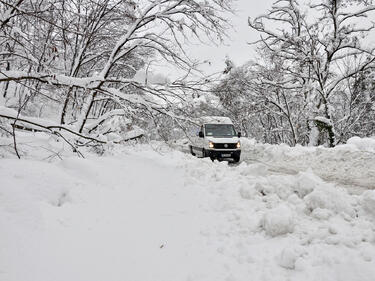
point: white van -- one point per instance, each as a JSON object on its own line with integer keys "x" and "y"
{"x": 217, "y": 138}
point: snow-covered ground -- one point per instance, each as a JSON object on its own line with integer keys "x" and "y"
{"x": 147, "y": 212}
{"x": 351, "y": 164}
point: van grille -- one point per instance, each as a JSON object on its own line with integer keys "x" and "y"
{"x": 225, "y": 145}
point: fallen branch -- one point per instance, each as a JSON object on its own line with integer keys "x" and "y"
{"x": 48, "y": 128}
{"x": 132, "y": 138}
{"x": 51, "y": 130}
{"x": 6, "y": 130}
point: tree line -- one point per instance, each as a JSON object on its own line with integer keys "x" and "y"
{"x": 68, "y": 68}
{"x": 74, "y": 61}
{"x": 312, "y": 82}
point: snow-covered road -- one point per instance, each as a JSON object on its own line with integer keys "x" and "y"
{"x": 142, "y": 214}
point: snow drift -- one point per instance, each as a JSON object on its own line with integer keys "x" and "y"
{"x": 348, "y": 164}
{"x": 151, "y": 213}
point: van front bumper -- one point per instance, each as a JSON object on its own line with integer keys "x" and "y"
{"x": 223, "y": 154}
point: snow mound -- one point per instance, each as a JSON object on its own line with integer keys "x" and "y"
{"x": 362, "y": 144}
{"x": 306, "y": 182}
{"x": 349, "y": 164}
{"x": 368, "y": 202}
{"x": 264, "y": 188}
{"x": 289, "y": 256}
{"x": 254, "y": 169}
{"x": 278, "y": 221}
{"x": 248, "y": 143}
{"x": 330, "y": 198}
{"x": 247, "y": 192}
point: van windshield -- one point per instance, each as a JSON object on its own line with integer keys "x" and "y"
{"x": 220, "y": 130}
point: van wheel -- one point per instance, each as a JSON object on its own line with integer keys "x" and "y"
{"x": 236, "y": 159}
{"x": 191, "y": 150}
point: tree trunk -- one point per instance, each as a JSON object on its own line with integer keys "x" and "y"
{"x": 313, "y": 134}
{"x": 86, "y": 111}
{"x": 66, "y": 102}
{"x": 7, "y": 82}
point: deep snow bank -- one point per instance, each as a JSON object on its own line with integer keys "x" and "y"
{"x": 349, "y": 164}
{"x": 150, "y": 213}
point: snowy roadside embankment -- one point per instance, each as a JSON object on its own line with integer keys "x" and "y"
{"x": 144, "y": 214}
{"x": 349, "y": 164}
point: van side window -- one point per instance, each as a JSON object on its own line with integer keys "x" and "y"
{"x": 195, "y": 130}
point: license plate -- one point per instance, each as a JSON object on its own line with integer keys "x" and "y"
{"x": 225, "y": 155}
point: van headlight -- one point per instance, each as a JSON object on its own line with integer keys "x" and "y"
{"x": 238, "y": 145}
{"x": 210, "y": 144}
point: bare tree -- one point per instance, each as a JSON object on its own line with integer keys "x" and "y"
{"x": 82, "y": 55}
{"x": 313, "y": 52}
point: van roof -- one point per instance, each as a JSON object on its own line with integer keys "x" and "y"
{"x": 215, "y": 120}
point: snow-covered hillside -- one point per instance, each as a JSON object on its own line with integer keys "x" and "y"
{"x": 143, "y": 213}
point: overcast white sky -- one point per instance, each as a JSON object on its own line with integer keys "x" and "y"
{"x": 236, "y": 47}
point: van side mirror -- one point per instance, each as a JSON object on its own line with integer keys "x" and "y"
{"x": 239, "y": 134}
{"x": 200, "y": 134}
